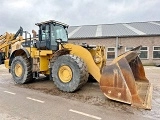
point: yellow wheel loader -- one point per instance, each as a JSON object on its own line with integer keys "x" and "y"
{"x": 69, "y": 65}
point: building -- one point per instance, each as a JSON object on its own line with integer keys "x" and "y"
{"x": 120, "y": 37}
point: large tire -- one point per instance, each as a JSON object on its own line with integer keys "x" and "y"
{"x": 26, "y": 75}
{"x": 79, "y": 73}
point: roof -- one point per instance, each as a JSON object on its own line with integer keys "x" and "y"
{"x": 115, "y": 30}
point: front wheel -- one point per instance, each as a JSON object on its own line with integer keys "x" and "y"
{"x": 69, "y": 73}
{"x": 21, "y": 70}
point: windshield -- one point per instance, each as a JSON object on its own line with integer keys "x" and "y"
{"x": 60, "y": 33}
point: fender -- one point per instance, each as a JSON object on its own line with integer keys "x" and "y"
{"x": 84, "y": 54}
{"x": 17, "y": 53}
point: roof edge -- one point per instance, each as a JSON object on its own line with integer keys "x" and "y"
{"x": 148, "y": 35}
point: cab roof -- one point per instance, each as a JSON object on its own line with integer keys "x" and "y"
{"x": 52, "y": 21}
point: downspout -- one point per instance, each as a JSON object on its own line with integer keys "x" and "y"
{"x": 116, "y": 49}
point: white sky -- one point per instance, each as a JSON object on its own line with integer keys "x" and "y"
{"x": 25, "y": 13}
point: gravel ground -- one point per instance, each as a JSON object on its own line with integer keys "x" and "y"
{"x": 92, "y": 94}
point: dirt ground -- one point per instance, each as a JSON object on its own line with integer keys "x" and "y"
{"x": 91, "y": 93}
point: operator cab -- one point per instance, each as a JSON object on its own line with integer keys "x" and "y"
{"x": 51, "y": 33}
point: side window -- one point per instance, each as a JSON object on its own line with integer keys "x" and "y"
{"x": 144, "y": 53}
{"x": 156, "y": 52}
{"x": 45, "y": 33}
{"x": 52, "y": 33}
{"x": 110, "y": 53}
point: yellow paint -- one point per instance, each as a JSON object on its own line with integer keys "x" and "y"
{"x": 99, "y": 55}
{"x": 43, "y": 52}
{"x": 83, "y": 53}
{"x": 43, "y": 55}
{"x": 44, "y": 63}
{"x": 17, "y": 44}
{"x": 18, "y": 70}
{"x": 6, "y": 62}
{"x": 65, "y": 73}
{"x": 32, "y": 51}
{"x": 46, "y": 72}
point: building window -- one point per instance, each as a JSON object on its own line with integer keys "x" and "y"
{"x": 128, "y": 48}
{"x": 110, "y": 53}
{"x": 144, "y": 53}
{"x": 156, "y": 52}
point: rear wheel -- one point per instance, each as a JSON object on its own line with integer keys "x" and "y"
{"x": 21, "y": 70}
{"x": 69, "y": 73}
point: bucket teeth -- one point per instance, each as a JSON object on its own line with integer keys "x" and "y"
{"x": 124, "y": 80}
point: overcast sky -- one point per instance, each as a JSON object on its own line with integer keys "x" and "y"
{"x": 25, "y": 13}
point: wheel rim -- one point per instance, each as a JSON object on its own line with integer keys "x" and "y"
{"x": 65, "y": 74}
{"x": 18, "y": 70}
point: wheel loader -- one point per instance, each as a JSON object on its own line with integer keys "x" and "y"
{"x": 69, "y": 65}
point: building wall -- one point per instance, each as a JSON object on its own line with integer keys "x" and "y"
{"x": 127, "y": 42}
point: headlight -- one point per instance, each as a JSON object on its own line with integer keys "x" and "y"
{"x": 97, "y": 59}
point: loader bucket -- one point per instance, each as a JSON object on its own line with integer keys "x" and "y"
{"x": 124, "y": 80}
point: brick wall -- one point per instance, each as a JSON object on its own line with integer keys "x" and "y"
{"x": 127, "y": 42}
